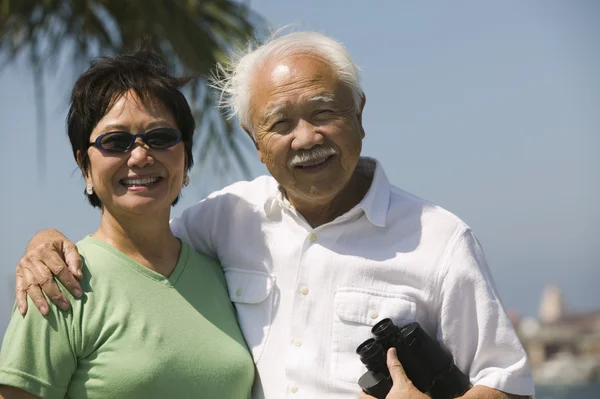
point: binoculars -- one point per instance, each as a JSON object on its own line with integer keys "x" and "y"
{"x": 429, "y": 366}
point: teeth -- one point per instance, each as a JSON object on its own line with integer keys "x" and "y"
{"x": 140, "y": 182}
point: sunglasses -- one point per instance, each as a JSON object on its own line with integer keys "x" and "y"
{"x": 160, "y": 139}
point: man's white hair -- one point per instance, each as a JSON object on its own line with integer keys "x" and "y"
{"x": 233, "y": 80}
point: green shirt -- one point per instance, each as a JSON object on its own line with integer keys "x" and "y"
{"x": 134, "y": 334}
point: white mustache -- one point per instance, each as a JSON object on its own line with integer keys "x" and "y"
{"x": 311, "y": 156}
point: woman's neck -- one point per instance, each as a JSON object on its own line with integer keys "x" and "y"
{"x": 147, "y": 239}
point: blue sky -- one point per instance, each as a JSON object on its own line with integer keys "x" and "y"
{"x": 491, "y": 110}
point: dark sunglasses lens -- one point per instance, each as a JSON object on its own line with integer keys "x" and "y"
{"x": 161, "y": 138}
{"x": 117, "y": 141}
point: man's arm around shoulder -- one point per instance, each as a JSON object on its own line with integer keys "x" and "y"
{"x": 7, "y": 392}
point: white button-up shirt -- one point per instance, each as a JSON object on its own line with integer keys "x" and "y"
{"x": 306, "y": 298}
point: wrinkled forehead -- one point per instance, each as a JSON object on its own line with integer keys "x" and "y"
{"x": 290, "y": 80}
{"x": 294, "y": 68}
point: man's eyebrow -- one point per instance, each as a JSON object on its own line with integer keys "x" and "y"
{"x": 274, "y": 110}
{"x": 277, "y": 108}
{"x": 323, "y": 97}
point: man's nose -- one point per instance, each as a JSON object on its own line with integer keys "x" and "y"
{"x": 306, "y": 136}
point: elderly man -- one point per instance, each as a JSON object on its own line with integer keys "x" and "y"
{"x": 323, "y": 249}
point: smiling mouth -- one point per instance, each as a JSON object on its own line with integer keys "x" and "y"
{"x": 140, "y": 182}
{"x": 314, "y": 164}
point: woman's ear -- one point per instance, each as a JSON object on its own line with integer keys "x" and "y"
{"x": 79, "y": 161}
{"x": 80, "y": 164}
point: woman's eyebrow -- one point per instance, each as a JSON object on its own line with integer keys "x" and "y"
{"x": 116, "y": 126}
{"x": 158, "y": 123}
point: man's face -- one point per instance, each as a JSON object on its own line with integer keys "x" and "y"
{"x": 307, "y": 129}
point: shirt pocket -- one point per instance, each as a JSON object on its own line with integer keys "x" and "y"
{"x": 356, "y": 312}
{"x": 251, "y": 293}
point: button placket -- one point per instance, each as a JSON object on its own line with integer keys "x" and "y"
{"x": 300, "y": 344}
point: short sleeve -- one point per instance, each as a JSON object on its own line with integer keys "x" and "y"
{"x": 474, "y": 325}
{"x": 37, "y": 353}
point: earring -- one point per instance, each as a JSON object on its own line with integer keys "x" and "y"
{"x": 186, "y": 180}
{"x": 89, "y": 189}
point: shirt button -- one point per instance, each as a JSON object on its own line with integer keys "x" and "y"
{"x": 238, "y": 292}
{"x": 373, "y": 314}
{"x": 304, "y": 290}
{"x": 297, "y": 342}
{"x": 312, "y": 237}
{"x": 294, "y": 388}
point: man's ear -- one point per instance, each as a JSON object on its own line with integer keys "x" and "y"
{"x": 249, "y": 133}
{"x": 362, "y": 107}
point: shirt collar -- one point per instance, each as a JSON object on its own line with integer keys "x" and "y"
{"x": 374, "y": 204}
{"x": 276, "y": 201}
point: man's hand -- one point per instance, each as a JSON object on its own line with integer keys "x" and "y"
{"x": 7, "y": 392}
{"x": 402, "y": 387}
{"x": 48, "y": 253}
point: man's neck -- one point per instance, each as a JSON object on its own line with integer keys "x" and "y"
{"x": 147, "y": 239}
{"x": 318, "y": 213}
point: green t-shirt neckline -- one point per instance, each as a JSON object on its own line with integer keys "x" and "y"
{"x": 170, "y": 281}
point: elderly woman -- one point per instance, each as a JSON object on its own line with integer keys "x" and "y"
{"x": 155, "y": 320}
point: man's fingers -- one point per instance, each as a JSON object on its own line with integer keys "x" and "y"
{"x": 32, "y": 288}
{"x": 63, "y": 274}
{"x": 21, "y": 294}
{"x": 44, "y": 275}
{"x": 397, "y": 373}
{"x": 73, "y": 261}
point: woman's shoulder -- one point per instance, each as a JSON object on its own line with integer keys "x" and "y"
{"x": 100, "y": 265}
{"x": 93, "y": 257}
{"x": 200, "y": 257}
{"x": 199, "y": 262}
{"x": 96, "y": 254}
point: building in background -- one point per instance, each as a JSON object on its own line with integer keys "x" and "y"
{"x": 563, "y": 345}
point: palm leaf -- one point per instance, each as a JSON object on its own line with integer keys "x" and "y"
{"x": 191, "y": 35}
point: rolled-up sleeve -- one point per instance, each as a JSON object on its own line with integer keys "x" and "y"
{"x": 474, "y": 325}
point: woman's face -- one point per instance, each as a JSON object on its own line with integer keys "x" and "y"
{"x": 116, "y": 176}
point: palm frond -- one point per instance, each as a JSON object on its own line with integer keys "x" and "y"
{"x": 191, "y": 35}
